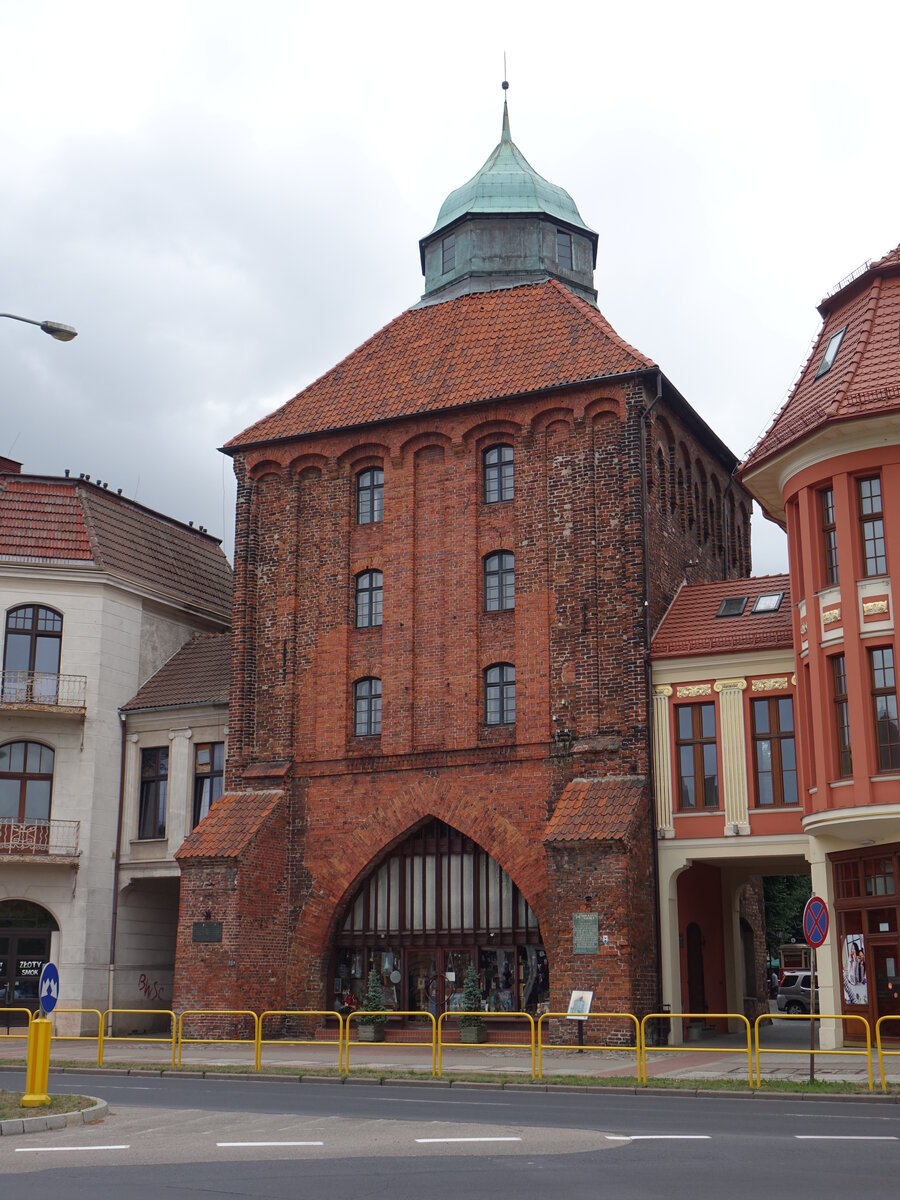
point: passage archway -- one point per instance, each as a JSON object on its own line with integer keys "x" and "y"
{"x": 25, "y": 930}
{"x": 434, "y": 905}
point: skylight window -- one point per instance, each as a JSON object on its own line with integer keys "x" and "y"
{"x": 732, "y": 606}
{"x": 834, "y": 344}
{"x": 769, "y": 603}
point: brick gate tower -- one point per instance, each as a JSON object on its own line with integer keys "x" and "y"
{"x": 450, "y": 552}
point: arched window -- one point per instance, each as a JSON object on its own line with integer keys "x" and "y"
{"x": 368, "y": 599}
{"x": 31, "y": 654}
{"x": 499, "y": 581}
{"x": 369, "y": 496}
{"x": 500, "y": 694}
{"x": 498, "y": 474}
{"x": 367, "y": 707}
{"x": 661, "y": 479}
{"x": 26, "y": 782}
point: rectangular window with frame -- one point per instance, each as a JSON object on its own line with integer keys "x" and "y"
{"x": 829, "y": 537}
{"x": 871, "y": 520}
{"x": 698, "y": 771}
{"x": 448, "y": 253}
{"x": 154, "y": 785}
{"x": 841, "y": 715}
{"x": 564, "y": 249}
{"x": 884, "y": 700}
{"x": 209, "y": 777}
{"x": 774, "y": 751}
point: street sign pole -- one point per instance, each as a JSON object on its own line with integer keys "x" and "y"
{"x": 37, "y": 1070}
{"x": 815, "y": 930}
{"x": 812, "y": 1014}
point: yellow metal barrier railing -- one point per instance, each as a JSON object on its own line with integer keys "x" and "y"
{"x": 485, "y": 1016}
{"x": 696, "y": 1049}
{"x": 548, "y": 1016}
{"x": 780, "y": 1016}
{"x": 137, "y": 1037}
{"x": 81, "y": 1037}
{"x": 394, "y": 1045}
{"x": 882, "y": 1053}
{"x": 244, "y": 1013}
{"x": 23, "y": 1036}
{"x": 312, "y": 1012}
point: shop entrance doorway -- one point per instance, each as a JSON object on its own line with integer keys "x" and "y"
{"x": 25, "y": 931}
{"x": 434, "y": 906}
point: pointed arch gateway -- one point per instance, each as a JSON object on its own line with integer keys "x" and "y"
{"x": 429, "y": 908}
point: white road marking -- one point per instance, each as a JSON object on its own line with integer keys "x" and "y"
{"x": 443, "y": 1141}
{"x": 658, "y": 1137}
{"x": 844, "y": 1137}
{"x": 244, "y": 1144}
{"x": 63, "y": 1149}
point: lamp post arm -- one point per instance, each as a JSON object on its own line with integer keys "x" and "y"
{"x": 62, "y": 333}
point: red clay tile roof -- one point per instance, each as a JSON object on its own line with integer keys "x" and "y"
{"x": 70, "y": 520}
{"x": 691, "y": 626}
{"x": 196, "y": 674}
{"x": 475, "y": 347}
{"x": 230, "y": 825}
{"x": 865, "y": 376}
{"x": 597, "y": 810}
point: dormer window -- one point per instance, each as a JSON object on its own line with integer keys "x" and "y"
{"x": 564, "y": 249}
{"x": 834, "y": 344}
{"x": 768, "y": 603}
{"x": 732, "y": 606}
{"x": 448, "y": 253}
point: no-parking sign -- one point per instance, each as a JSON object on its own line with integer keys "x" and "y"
{"x": 815, "y": 922}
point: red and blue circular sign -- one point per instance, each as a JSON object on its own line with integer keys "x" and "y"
{"x": 815, "y": 922}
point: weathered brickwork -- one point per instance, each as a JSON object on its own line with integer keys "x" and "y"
{"x": 577, "y": 638}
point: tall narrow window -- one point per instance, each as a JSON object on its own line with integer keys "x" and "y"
{"x": 834, "y": 344}
{"x": 697, "y": 764}
{"x": 829, "y": 536}
{"x": 842, "y": 715}
{"x": 367, "y": 707}
{"x": 498, "y": 474}
{"x": 154, "y": 785}
{"x": 884, "y": 698}
{"x": 564, "y": 249}
{"x": 499, "y": 582}
{"x": 209, "y": 777}
{"x": 775, "y": 753}
{"x": 871, "y": 520}
{"x": 448, "y": 253}
{"x": 500, "y": 694}
{"x": 369, "y": 496}
{"x": 31, "y": 655}
{"x": 368, "y": 599}
{"x": 26, "y": 781}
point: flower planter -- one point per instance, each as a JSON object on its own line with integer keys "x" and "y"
{"x": 473, "y": 1033}
{"x": 370, "y": 1033}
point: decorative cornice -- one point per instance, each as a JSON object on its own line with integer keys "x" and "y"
{"x": 776, "y": 683}
{"x": 722, "y": 685}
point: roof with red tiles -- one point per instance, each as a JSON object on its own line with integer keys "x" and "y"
{"x": 865, "y": 376}
{"x": 441, "y": 356}
{"x": 196, "y": 674}
{"x": 48, "y": 519}
{"x": 597, "y": 810}
{"x": 231, "y": 824}
{"x": 691, "y": 626}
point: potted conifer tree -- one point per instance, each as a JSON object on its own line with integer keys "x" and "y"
{"x": 472, "y": 1028}
{"x": 371, "y": 1028}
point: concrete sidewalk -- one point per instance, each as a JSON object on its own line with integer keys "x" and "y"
{"x": 784, "y": 1054}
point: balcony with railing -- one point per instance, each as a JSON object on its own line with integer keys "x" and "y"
{"x": 41, "y": 840}
{"x": 39, "y": 692}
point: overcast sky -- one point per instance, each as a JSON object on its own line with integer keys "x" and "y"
{"x": 224, "y": 199}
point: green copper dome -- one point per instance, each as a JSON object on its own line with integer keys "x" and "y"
{"x": 507, "y": 183}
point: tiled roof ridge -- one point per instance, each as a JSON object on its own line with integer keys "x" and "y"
{"x": 91, "y": 489}
{"x": 597, "y": 317}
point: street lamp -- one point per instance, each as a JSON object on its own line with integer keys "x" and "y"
{"x": 62, "y": 333}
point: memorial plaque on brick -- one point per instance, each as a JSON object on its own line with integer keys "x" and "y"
{"x": 585, "y": 933}
{"x": 207, "y": 931}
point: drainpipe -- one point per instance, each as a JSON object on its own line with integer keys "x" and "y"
{"x": 648, "y": 689}
{"x": 116, "y": 861}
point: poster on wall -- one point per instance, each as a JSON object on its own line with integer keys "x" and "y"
{"x": 856, "y": 989}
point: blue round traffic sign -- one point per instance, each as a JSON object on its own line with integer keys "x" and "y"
{"x": 815, "y": 922}
{"x": 48, "y": 988}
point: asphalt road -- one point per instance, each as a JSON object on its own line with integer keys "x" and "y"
{"x": 173, "y": 1138}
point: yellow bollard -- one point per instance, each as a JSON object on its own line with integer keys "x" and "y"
{"x": 38, "y": 1068}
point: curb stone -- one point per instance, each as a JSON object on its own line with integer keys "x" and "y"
{"x": 87, "y": 1116}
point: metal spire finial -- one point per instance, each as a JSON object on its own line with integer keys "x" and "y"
{"x": 505, "y": 136}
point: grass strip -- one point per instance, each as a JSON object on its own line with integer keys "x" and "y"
{"x": 11, "y": 1106}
